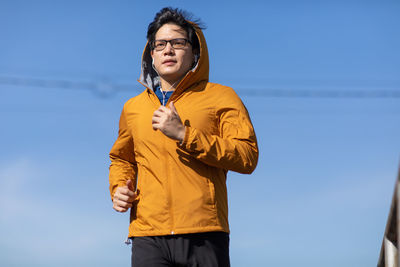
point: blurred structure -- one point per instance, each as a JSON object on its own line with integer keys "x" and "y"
{"x": 389, "y": 256}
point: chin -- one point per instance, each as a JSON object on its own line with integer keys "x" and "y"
{"x": 167, "y": 72}
{"x": 170, "y": 74}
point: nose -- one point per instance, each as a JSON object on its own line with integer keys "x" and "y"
{"x": 168, "y": 48}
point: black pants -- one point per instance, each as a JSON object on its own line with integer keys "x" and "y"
{"x": 209, "y": 249}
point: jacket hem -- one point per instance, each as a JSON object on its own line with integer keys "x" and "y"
{"x": 179, "y": 231}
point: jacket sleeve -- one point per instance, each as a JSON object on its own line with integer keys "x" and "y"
{"x": 234, "y": 148}
{"x": 123, "y": 165}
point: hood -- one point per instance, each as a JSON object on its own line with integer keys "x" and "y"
{"x": 198, "y": 73}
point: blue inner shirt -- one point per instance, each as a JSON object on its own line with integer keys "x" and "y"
{"x": 163, "y": 96}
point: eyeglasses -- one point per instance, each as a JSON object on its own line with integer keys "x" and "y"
{"x": 177, "y": 43}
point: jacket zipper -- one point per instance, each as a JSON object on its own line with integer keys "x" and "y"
{"x": 168, "y": 177}
{"x": 169, "y": 193}
{"x": 164, "y": 94}
{"x": 169, "y": 190}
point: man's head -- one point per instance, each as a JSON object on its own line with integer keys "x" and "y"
{"x": 173, "y": 43}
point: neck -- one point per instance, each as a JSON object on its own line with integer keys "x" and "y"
{"x": 169, "y": 85}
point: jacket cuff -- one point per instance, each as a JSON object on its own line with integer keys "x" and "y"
{"x": 187, "y": 140}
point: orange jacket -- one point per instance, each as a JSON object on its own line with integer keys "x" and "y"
{"x": 182, "y": 186}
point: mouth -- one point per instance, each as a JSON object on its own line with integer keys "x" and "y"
{"x": 169, "y": 62}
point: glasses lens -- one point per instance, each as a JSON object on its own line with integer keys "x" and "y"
{"x": 159, "y": 44}
{"x": 178, "y": 43}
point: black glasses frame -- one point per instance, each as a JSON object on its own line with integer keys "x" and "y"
{"x": 173, "y": 42}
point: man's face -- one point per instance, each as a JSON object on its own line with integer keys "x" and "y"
{"x": 172, "y": 63}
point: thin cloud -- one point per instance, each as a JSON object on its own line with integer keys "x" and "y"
{"x": 46, "y": 228}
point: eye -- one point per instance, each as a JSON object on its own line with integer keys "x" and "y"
{"x": 159, "y": 44}
{"x": 179, "y": 42}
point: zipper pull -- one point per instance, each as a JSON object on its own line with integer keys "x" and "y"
{"x": 128, "y": 241}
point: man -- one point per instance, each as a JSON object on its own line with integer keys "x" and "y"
{"x": 176, "y": 142}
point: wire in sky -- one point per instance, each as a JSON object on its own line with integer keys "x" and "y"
{"x": 105, "y": 89}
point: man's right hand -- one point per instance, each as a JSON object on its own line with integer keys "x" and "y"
{"x": 124, "y": 197}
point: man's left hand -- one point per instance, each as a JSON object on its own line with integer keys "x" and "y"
{"x": 167, "y": 120}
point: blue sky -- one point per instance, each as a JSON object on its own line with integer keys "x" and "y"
{"x": 321, "y": 192}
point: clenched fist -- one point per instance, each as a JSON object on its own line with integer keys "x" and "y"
{"x": 167, "y": 120}
{"x": 124, "y": 197}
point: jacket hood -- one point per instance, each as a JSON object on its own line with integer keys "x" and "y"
{"x": 200, "y": 72}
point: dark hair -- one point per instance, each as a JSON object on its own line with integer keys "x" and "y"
{"x": 178, "y": 17}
